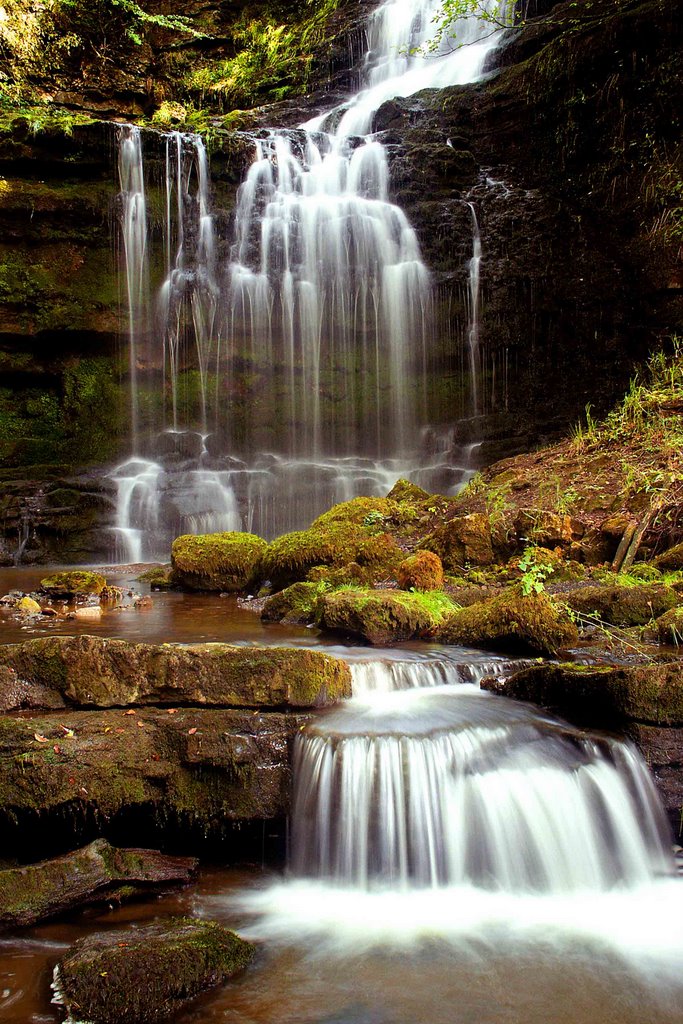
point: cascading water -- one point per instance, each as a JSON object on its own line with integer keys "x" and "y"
{"x": 474, "y": 309}
{"x": 322, "y": 306}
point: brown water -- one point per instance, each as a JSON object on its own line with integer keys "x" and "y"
{"x": 434, "y": 983}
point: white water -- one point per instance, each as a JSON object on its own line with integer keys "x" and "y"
{"x": 474, "y": 309}
{"x": 324, "y": 299}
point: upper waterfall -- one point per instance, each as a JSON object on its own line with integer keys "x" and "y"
{"x": 292, "y": 359}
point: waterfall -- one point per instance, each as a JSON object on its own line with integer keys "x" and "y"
{"x": 449, "y": 786}
{"x": 299, "y": 350}
{"x": 391, "y": 674}
{"x": 474, "y": 309}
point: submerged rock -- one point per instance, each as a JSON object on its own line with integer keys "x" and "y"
{"x": 621, "y": 605}
{"x": 142, "y": 975}
{"x": 90, "y": 671}
{"x": 222, "y": 562}
{"x": 98, "y": 872}
{"x": 511, "y": 620}
{"x": 73, "y": 584}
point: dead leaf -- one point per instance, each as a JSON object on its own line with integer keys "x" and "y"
{"x": 191, "y": 732}
{"x": 57, "y": 749}
{"x": 131, "y": 712}
{"x": 67, "y": 732}
{"x": 38, "y": 736}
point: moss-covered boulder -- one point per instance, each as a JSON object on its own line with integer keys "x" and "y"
{"x": 27, "y": 606}
{"x": 421, "y": 571}
{"x": 622, "y": 605}
{"x": 216, "y": 561}
{"x": 600, "y": 696}
{"x": 463, "y": 540}
{"x": 89, "y": 671}
{"x": 383, "y": 616}
{"x": 671, "y": 559}
{"x": 144, "y": 975}
{"x": 160, "y": 577}
{"x": 404, "y": 490}
{"x": 73, "y": 584}
{"x": 353, "y": 532}
{"x": 296, "y": 604}
{"x": 547, "y": 529}
{"x": 95, "y": 873}
{"x": 511, "y": 621}
{"x": 669, "y": 627}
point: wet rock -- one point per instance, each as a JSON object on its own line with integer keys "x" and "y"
{"x": 421, "y": 571}
{"x": 27, "y": 606}
{"x": 90, "y": 671}
{"x": 90, "y": 612}
{"x": 73, "y": 584}
{"x": 404, "y": 490}
{"x": 144, "y": 975}
{"x": 622, "y": 605}
{"x": 511, "y": 621}
{"x": 159, "y": 578}
{"x": 98, "y": 872}
{"x": 466, "y": 539}
{"x": 601, "y": 696}
{"x": 382, "y": 617}
{"x": 216, "y": 561}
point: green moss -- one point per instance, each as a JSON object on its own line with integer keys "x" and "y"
{"x": 159, "y": 578}
{"x": 404, "y": 490}
{"x": 216, "y": 561}
{"x": 669, "y": 627}
{"x": 384, "y": 616}
{"x": 71, "y": 584}
{"x": 297, "y": 603}
{"x": 511, "y": 620}
{"x": 147, "y": 974}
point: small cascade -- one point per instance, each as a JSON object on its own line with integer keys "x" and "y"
{"x": 452, "y": 787}
{"x": 474, "y": 310}
{"x": 138, "y": 487}
{"x": 391, "y": 675}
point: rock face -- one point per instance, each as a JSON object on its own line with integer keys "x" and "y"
{"x": 187, "y": 775}
{"x": 143, "y": 975}
{"x": 91, "y": 875}
{"x": 93, "y": 672}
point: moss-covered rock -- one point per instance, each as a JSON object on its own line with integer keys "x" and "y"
{"x": 622, "y": 605}
{"x": 295, "y": 604}
{"x": 383, "y": 616}
{"x": 511, "y": 621}
{"x": 90, "y": 671}
{"x": 216, "y": 561}
{"x": 159, "y": 578}
{"x": 353, "y": 532}
{"x": 27, "y": 606}
{"x": 669, "y": 627}
{"x": 671, "y": 559}
{"x": 143, "y": 975}
{"x": 547, "y": 529}
{"x": 603, "y": 696}
{"x": 404, "y": 490}
{"x": 421, "y": 571}
{"x": 73, "y": 584}
{"x": 95, "y": 873}
{"x": 463, "y": 540}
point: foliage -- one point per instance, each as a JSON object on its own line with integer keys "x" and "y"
{"x": 534, "y": 571}
{"x": 451, "y": 13}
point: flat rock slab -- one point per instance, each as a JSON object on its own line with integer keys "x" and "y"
{"x": 99, "y": 871}
{"x": 144, "y": 975}
{"x": 88, "y": 671}
{"x": 206, "y": 767}
{"x": 601, "y": 696}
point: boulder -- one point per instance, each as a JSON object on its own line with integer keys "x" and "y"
{"x": 222, "y": 562}
{"x": 465, "y": 539}
{"x": 383, "y": 616}
{"x": 296, "y": 604}
{"x": 73, "y": 584}
{"x": 671, "y": 559}
{"x": 511, "y": 621}
{"x": 421, "y": 571}
{"x": 547, "y": 529}
{"x": 622, "y": 605}
{"x": 89, "y": 671}
{"x": 148, "y": 974}
{"x": 27, "y": 606}
{"x": 669, "y": 627}
{"x": 601, "y": 696}
{"x": 98, "y": 872}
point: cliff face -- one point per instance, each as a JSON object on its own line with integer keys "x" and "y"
{"x": 569, "y": 157}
